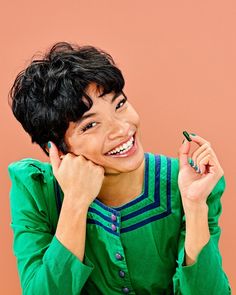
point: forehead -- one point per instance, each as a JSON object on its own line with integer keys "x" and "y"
{"x": 93, "y": 92}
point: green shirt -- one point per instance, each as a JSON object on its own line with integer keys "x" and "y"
{"x": 137, "y": 248}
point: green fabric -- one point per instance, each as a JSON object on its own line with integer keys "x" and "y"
{"x": 149, "y": 235}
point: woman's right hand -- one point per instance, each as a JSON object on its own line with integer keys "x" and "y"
{"x": 78, "y": 177}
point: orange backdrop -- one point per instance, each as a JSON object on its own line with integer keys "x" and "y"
{"x": 178, "y": 59}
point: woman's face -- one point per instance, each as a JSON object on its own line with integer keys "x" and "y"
{"x": 114, "y": 123}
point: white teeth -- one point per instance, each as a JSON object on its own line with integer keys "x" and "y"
{"x": 123, "y": 148}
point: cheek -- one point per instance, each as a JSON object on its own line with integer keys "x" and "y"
{"x": 91, "y": 145}
{"x": 133, "y": 111}
{"x": 135, "y": 116}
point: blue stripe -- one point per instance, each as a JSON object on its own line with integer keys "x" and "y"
{"x": 103, "y": 216}
{"x": 168, "y": 188}
{"x": 92, "y": 221}
{"x": 108, "y": 209}
{"x": 156, "y": 202}
{"x": 145, "y": 221}
{"x": 57, "y": 195}
{"x": 161, "y": 215}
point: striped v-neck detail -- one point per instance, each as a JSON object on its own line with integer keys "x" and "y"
{"x": 152, "y": 204}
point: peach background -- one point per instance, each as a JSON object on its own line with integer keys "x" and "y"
{"x": 178, "y": 59}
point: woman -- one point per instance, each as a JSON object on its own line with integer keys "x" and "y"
{"x": 103, "y": 217}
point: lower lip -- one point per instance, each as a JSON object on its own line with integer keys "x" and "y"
{"x": 128, "y": 153}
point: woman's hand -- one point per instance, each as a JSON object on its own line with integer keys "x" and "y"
{"x": 196, "y": 186}
{"x": 78, "y": 177}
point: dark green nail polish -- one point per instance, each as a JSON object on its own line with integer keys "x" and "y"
{"x": 191, "y": 162}
{"x": 185, "y": 133}
{"x": 196, "y": 168}
{"x": 193, "y": 134}
{"x": 49, "y": 144}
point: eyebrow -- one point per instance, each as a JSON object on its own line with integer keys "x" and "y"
{"x": 93, "y": 114}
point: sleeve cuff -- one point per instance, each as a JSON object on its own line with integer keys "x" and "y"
{"x": 65, "y": 263}
{"x": 205, "y": 273}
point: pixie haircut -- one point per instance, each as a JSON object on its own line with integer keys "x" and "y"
{"x": 51, "y": 92}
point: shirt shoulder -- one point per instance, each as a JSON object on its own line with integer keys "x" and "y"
{"x": 30, "y": 168}
{"x": 218, "y": 189}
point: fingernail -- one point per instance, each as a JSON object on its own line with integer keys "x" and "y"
{"x": 191, "y": 162}
{"x": 49, "y": 145}
{"x": 183, "y": 141}
{"x": 193, "y": 134}
{"x": 185, "y": 133}
{"x": 196, "y": 168}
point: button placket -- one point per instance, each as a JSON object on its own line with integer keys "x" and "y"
{"x": 119, "y": 256}
{"x": 125, "y": 290}
{"x": 114, "y": 219}
{"x": 121, "y": 273}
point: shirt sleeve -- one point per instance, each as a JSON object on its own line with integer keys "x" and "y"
{"x": 45, "y": 266}
{"x": 206, "y": 275}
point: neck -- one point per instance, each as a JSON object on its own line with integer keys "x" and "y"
{"x": 118, "y": 189}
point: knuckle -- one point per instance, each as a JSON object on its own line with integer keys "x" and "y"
{"x": 208, "y": 148}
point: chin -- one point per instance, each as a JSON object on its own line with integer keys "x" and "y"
{"x": 125, "y": 164}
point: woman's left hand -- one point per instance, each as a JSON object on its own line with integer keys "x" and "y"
{"x": 196, "y": 186}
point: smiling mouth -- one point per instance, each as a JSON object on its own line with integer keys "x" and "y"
{"x": 129, "y": 145}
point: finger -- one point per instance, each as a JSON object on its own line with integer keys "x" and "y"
{"x": 199, "y": 140}
{"x": 204, "y": 163}
{"x": 54, "y": 157}
{"x": 183, "y": 154}
{"x": 200, "y": 160}
{"x": 199, "y": 151}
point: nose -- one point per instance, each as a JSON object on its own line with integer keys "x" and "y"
{"x": 119, "y": 129}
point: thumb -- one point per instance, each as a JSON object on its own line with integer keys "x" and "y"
{"x": 54, "y": 156}
{"x": 183, "y": 154}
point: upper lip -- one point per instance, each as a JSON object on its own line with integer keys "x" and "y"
{"x": 124, "y": 141}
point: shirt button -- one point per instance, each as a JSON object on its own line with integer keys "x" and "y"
{"x": 118, "y": 256}
{"x": 125, "y": 290}
{"x": 113, "y": 227}
{"x": 113, "y": 217}
{"x": 121, "y": 273}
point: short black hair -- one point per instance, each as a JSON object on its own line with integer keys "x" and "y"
{"x": 47, "y": 95}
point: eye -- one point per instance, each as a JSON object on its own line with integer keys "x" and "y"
{"x": 122, "y": 101}
{"x": 88, "y": 126}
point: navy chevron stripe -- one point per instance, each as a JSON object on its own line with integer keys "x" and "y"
{"x": 156, "y": 202}
{"x": 168, "y": 184}
{"x": 145, "y": 221}
{"x": 57, "y": 195}
{"x": 92, "y": 221}
{"x": 102, "y": 215}
{"x": 158, "y": 216}
{"x": 108, "y": 209}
